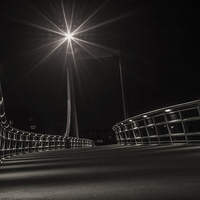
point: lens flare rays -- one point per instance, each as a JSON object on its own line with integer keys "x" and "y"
{"x": 60, "y": 25}
{"x": 66, "y": 30}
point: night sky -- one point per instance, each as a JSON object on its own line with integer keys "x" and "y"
{"x": 159, "y": 51}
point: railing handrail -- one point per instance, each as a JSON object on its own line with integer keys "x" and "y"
{"x": 160, "y": 110}
{"x": 12, "y": 139}
{"x": 171, "y": 124}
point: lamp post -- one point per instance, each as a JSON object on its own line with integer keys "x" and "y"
{"x": 72, "y": 123}
{"x": 125, "y": 112}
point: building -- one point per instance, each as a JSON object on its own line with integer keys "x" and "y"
{"x": 24, "y": 119}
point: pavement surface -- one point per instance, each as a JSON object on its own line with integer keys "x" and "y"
{"x": 105, "y": 172}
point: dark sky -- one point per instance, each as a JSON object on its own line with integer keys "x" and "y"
{"x": 159, "y": 50}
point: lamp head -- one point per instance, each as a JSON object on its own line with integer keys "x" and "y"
{"x": 68, "y": 36}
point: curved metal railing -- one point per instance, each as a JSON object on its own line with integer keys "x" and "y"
{"x": 14, "y": 141}
{"x": 174, "y": 124}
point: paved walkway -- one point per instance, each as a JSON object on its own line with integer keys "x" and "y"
{"x": 107, "y": 172}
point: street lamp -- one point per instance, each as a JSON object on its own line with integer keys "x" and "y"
{"x": 66, "y": 33}
{"x": 69, "y": 36}
{"x": 72, "y": 124}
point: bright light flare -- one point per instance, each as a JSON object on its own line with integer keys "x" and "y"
{"x": 68, "y": 36}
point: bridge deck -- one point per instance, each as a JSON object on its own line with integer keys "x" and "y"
{"x": 107, "y": 172}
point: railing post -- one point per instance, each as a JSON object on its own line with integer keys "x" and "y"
{"x": 182, "y": 123}
{"x": 169, "y": 131}
{"x": 147, "y": 131}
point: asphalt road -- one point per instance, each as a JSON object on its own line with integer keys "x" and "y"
{"x": 107, "y": 172}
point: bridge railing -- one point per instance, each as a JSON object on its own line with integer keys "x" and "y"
{"x": 175, "y": 124}
{"x": 14, "y": 141}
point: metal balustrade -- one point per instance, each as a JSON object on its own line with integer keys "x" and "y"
{"x": 14, "y": 141}
{"x": 175, "y": 124}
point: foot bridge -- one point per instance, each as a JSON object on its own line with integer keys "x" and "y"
{"x": 14, "y": 141}
{"x": 55, "y": 167}
{"x": 175, "y": 124}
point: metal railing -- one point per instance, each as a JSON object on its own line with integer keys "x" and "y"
{"x": 175, "y": 124}
{"x": 14, "y": 141}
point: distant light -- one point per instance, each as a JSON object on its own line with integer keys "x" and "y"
{"x": 168, "y": 110}
{"x": 145, "y": 116}
{"x": 130, "y": 120}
